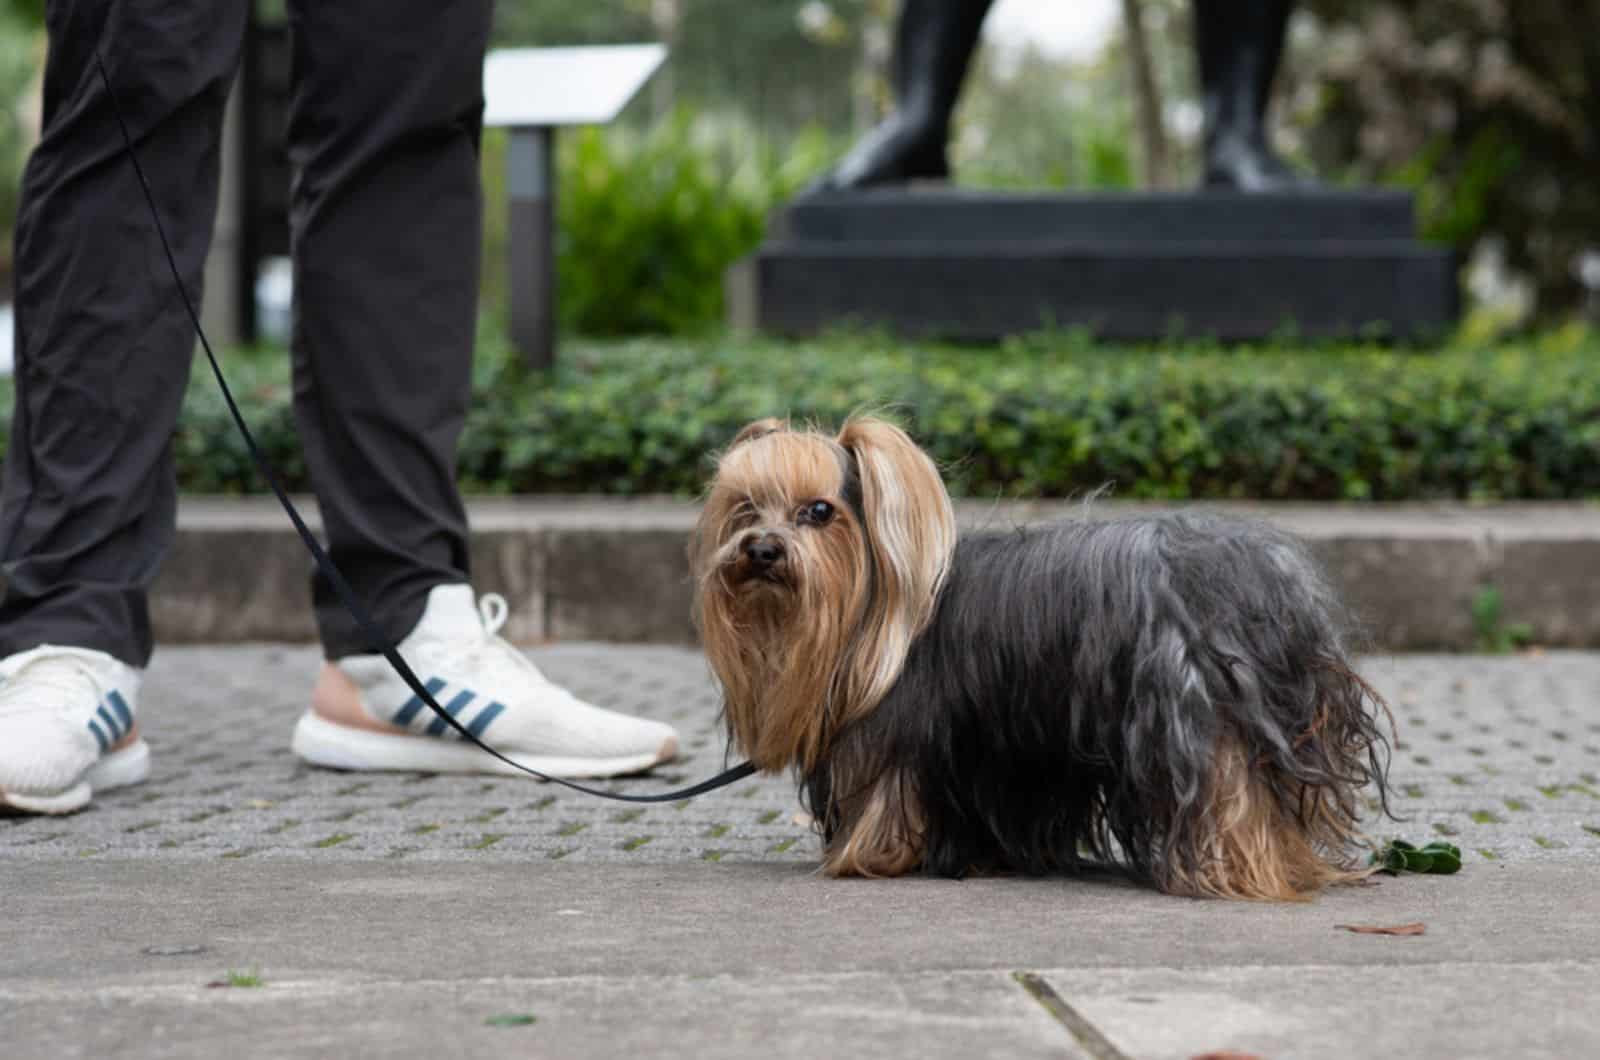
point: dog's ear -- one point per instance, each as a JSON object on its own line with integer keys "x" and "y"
{"x": 906, "y": 508}
{"x": 911, "y": 531}
{"x": 758, "y": 429}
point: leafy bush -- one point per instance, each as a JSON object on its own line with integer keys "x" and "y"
{"x": 19, "y": 56}
{"x": 648, "y": 222}
{"x": 1486, "y": 108}
{"x": 1046, "y": 417}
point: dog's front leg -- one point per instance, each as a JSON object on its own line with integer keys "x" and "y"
{"x": 881, "y": 831}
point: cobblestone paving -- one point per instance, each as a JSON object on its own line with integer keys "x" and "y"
{"x": 1500, "y": 755}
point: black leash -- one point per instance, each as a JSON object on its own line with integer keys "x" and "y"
{"x": 357, "y": 609}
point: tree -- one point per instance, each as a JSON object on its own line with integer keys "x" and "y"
{"x": 1490, "y": 109}
{"x": 1147, "y": 97}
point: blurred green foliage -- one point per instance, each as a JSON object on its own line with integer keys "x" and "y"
{"x": 23, "y": 12}
{"x": 649, "y": 221}
{"x": 1048, "y": 416}
{"x": 647, "y": 225}
{"x": 20, "y": 54}
{"x": 786, "y": 65}
{"x": 1486, "y": 108}
{"x": 1037, "y": 127}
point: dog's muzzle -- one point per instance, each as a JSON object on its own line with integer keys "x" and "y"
{"x": 762, "y": 557}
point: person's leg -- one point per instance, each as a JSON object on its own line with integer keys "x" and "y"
{"x": 386, "y": 222}
{"x": 103, "y": 348}
{"x": 1238, "y": 44}
{"x": 103, "y": 345}
{"x": 934, "y": 42}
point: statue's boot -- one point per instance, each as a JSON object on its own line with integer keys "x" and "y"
{"x": 934, "y": 42}
{"x": 1239, "y": 44}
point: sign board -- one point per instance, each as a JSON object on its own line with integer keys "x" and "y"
{"x": 565, "y": 86}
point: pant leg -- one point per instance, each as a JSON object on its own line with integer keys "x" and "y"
{"x": 386, "y": 219}
{"x": 103, "y": 345}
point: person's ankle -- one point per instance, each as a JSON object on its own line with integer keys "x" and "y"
{"x": 336, "y": 698}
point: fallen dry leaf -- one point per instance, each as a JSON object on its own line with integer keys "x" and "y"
{"x": 1379, "y": 929}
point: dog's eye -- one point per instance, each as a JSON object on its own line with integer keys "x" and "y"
{"x": 817, "y": 513}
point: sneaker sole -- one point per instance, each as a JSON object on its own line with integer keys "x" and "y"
{"x": 118, "y": 769}
{"x": 324, "y": 743}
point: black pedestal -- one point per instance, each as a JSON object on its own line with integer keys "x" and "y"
{"x": 979, "y": 266}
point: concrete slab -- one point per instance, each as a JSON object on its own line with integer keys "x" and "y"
{"x": 711, "y": 1016}
{"x": 700, "y": 959}
{"x": 76, "y": 920}
{"x": 1492, "y": 1011}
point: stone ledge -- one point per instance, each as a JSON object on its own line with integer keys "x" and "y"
{"x": 605, "y": 569}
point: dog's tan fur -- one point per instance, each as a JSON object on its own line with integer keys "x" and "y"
{"x": 801, "y": 659}
{"x": 1257, "y": 850}
{"x": 886, "y": 836}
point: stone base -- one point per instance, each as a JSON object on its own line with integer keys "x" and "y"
{"x": 963, "y": 265}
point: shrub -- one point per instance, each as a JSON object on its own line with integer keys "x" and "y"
{"x": 1047, "y": 417}
{"x": 1486, "y": 108}
{"x": 20, "y": 50}
{"x": 648, "y": 222}
{"x": 1054, "y": 418}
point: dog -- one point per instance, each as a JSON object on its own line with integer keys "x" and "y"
{"x": 1170, "y": 694}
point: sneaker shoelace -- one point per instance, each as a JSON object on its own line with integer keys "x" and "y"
{"x": 52, "y": 682}
{"x": 490, "y": 654}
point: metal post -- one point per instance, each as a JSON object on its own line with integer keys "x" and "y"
{"x": 530, "y": 188}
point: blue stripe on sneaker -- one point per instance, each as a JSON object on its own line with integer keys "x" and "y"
{"x": 485, "y": 716}
{"x": 111, "y": 725}
{"x": 99, "y": 736}
{"x": 120, "y": 705}
{"x": 414, "y": 704}
{"x": 452, "y": 708}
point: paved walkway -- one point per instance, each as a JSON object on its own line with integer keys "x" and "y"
{"x": 414, "y": 915}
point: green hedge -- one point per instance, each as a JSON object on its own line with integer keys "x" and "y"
{"x": 1047, "y": 417}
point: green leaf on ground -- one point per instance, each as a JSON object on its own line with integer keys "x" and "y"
{"x": 1437, "y": 858}
{"x": 241, "y": 980}
{"x": 512, "y": 1019}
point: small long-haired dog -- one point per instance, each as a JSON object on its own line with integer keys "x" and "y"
{"x": 1170, "y": 692}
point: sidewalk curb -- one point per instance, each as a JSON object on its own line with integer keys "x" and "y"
{"x": 615, "y": 569}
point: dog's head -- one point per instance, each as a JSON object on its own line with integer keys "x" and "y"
{"x": 817, "y": 561}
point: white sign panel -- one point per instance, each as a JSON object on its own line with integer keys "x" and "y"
{"x": 565, "y": 86}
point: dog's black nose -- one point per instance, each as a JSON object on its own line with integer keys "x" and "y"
{"x": 763, "y": 551}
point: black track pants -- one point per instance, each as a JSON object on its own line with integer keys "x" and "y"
{"x": 386, "y": 220}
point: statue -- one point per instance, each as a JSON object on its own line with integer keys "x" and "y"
{"x": 1236, "y": 266}
{"x": 1238, "y": 43}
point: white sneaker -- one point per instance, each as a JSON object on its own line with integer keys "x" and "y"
{"x": 67, "y": 728}
{"x": 364, "y": 717}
